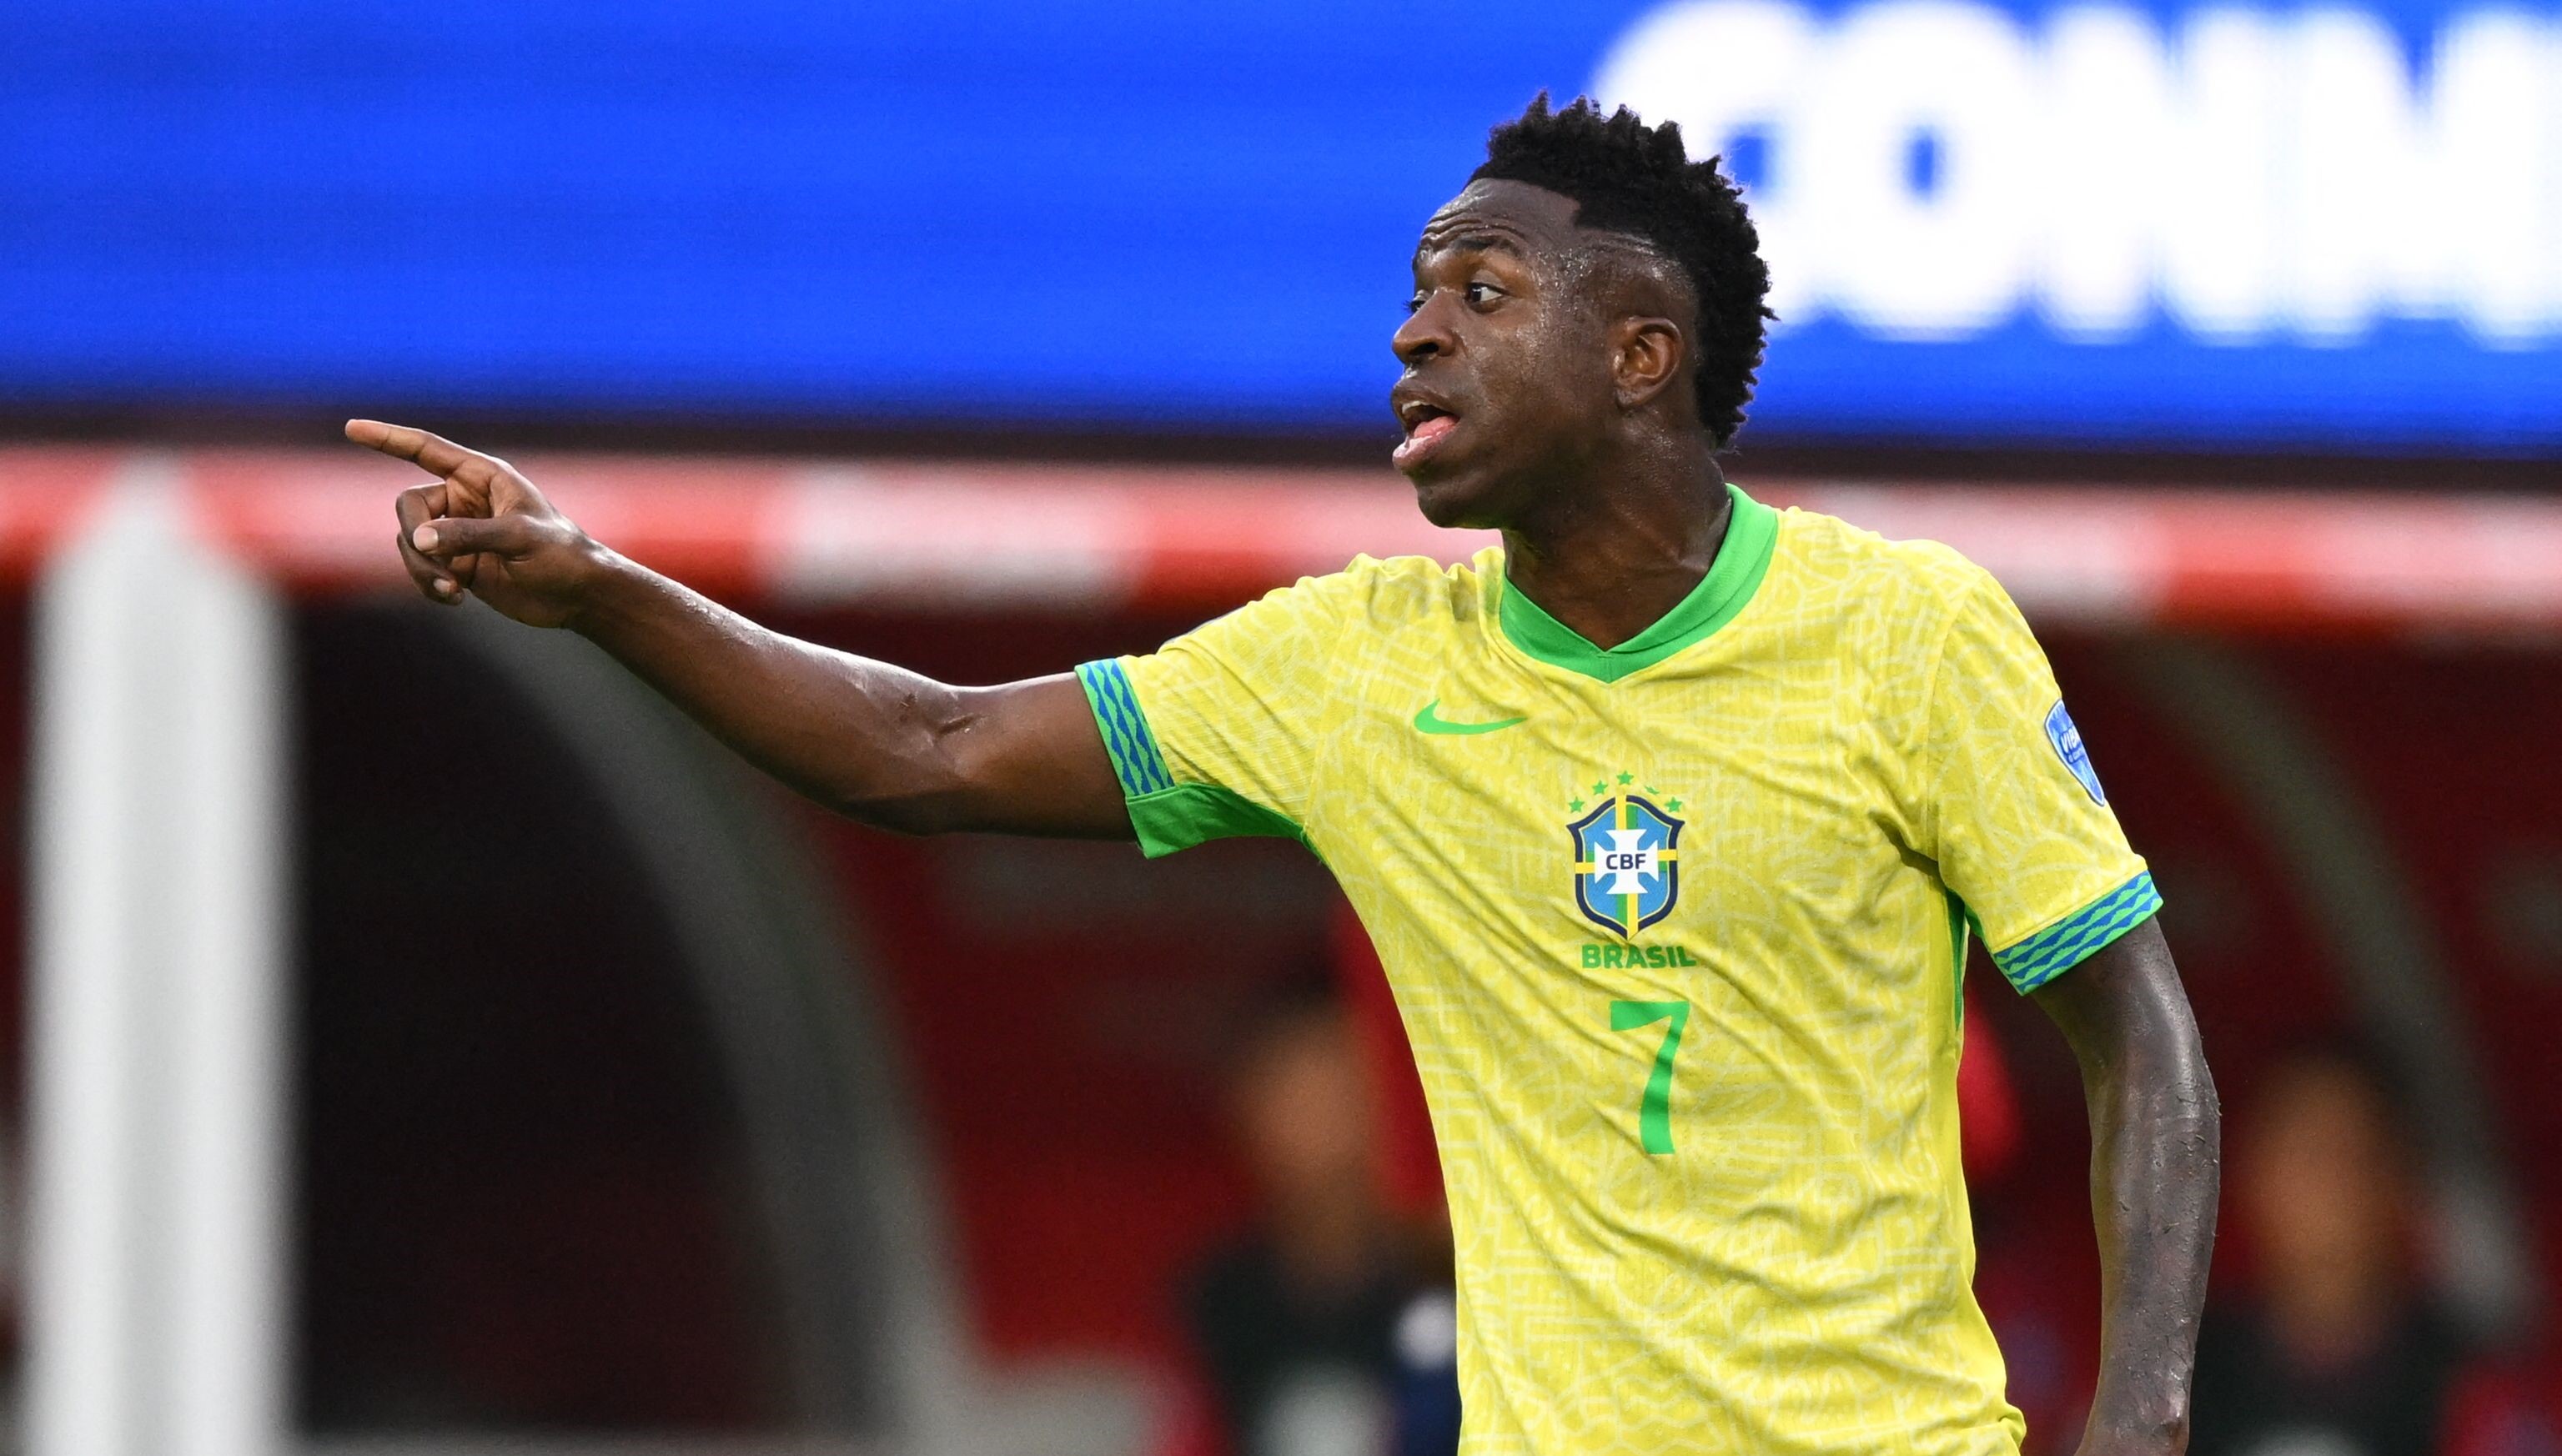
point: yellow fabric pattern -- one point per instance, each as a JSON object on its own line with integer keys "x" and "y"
{"x": 1703, "y": 1171}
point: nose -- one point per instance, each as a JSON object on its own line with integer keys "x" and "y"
{"x": 1425, "y": 333}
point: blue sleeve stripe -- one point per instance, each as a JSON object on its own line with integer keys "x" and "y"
{"x": 1134, "y": 759}
{"x": 2076, "y": 936}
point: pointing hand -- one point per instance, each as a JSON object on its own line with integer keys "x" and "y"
{"x": 485, "y": 529}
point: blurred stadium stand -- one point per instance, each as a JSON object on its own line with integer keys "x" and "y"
{"x": 630, "y": 1097}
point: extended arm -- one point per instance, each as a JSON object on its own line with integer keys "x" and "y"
{"x": 876, "y": 742}
{"x": 2155, "y": 1148}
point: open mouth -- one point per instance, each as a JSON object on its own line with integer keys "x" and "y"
{"x": 1426, "y": 425}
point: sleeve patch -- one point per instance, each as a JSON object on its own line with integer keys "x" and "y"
{"x": 2076, "y": 936}
{"x": 1133, "y": 749}
{"x": 2068, "y": 747}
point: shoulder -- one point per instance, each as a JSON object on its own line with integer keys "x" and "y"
{"x": 1925, "y": 572}
{"x": 1912, "y": 591}
{"x": 1907, "y": 618}
{"x": 1387, "y": 594}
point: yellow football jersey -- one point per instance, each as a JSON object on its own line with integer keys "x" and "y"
{"x": 1676, "y": 929}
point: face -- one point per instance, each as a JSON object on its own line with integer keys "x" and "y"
{"x": 1510, "y": 377}
{"x": 1304, "y": 1108}
{"x": 2320, "y": 1179}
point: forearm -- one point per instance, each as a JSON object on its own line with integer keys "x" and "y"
{"x": 879, "y": 743}
{"x": 2154, "y": 1135}
{"x": 864, "y": 738}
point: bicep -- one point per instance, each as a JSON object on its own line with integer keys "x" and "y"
{"x": 2123, "y": 1011}
{"x": 1026, "y": 758}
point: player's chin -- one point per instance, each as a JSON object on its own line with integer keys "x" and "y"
{"x": 1455, "y": 500}
{"x": 1455, "y": 489}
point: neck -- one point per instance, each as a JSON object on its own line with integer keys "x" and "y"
{"x": 1328, "y": 1238}
{"x": 2330, "y": 1315}
{"x": 1625, "y": 541}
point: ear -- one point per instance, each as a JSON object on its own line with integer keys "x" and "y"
{"x": 1645, "y": 358}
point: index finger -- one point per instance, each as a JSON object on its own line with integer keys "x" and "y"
{"x": 432, "y": 451}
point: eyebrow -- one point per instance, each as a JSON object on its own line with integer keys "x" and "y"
{"x": 1476, "y": 243}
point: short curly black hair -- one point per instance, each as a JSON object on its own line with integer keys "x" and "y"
{"x": 1632, "y": 178}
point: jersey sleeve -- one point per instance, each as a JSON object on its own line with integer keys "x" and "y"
{"x": 2021, "y": 827}
{"x": 1216, "y": 733}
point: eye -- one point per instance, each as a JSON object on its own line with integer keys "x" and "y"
{"x": 1483, "y": 295}
{"x": 1414, "y": 304}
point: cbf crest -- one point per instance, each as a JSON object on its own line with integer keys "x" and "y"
{"x": 1627, "y": 856}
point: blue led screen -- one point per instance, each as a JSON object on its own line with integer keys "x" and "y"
{"x": 2322, "y": 227}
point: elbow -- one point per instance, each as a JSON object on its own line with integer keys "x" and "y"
{"x": 925, "y": 786}
{"x": 2193, "y": 1085}
{"x": 894, "y": 817}
{"x": 2182, "y": 1104}
{"x": 2209, "y": 1117}
{"x": 912, "y": 808}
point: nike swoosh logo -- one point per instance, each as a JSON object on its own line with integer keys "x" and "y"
{"x": 1431, "y": 721}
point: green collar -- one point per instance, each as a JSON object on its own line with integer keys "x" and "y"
{"x": 1741, "y": 560}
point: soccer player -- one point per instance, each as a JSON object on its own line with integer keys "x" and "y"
{"x": 1669, "y": 816}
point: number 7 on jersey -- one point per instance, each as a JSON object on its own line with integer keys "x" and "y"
{"x": 1654, "y": 1110}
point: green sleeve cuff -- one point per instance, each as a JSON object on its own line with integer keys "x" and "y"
{"x": 1126, "y": 737}
{"x": 2078, "y": 935}
{"x": 1195, "y": 813}
{"x": 1167, "y": 816}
